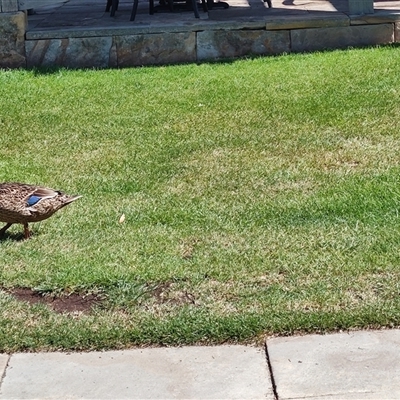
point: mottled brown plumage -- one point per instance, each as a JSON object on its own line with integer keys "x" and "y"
{"x": 22, "y": 203}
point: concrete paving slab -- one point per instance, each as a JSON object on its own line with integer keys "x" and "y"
{"x": 3, "y": 364}
{"x": 355, "y": 365}
{"x": 221, "y": 372}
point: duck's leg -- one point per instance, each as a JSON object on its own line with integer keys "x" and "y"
{"x": 4, "y": 228}
{"x": 27, "y": 234}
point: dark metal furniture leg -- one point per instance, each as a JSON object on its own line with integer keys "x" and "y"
{"x": 171, "y": 5}
{"x": 195, "y": 9}
{"x": 134, "y": 9}
{"x": 269, "y": 3}
{"x": 114, "y": 7}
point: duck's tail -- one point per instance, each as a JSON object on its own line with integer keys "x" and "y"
{"x": 73, "y": 198}
{"x": 70, "y": 199}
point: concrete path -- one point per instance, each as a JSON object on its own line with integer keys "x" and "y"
{"x": 356, "y": 365}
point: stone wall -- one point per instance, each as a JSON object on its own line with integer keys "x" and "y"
{"x": 110, "y": 48}
{"x": 12, "y": 39}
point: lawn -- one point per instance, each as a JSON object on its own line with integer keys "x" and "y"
{"x": 260, "y": 197}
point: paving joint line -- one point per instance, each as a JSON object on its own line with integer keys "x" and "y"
{"x": 271, "y": 372}
{"x": 3, "y": 375}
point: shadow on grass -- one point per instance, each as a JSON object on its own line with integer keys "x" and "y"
{"x": 43, "y": 71}
{"x": 16, "y": 237}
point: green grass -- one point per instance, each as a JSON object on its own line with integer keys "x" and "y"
{"x": 261, "y": 197}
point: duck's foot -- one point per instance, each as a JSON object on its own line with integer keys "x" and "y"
{"x": 3, "y": 229}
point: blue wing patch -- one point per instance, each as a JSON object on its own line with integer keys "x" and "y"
{"x": 33, "y": 200}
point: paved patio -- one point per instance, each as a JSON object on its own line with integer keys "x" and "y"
{"x": 84, "y": 14}
{"x": 81, "y": 34}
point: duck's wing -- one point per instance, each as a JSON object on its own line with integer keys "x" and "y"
{"x": 40, "y": 193}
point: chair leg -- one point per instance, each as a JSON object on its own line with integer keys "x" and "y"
{"x": 134, "y": 9}
{"x": 114, "y": 7}
{"x": 196, "y": 11}
{"x": 108, "y": 5}
{"x": 204, "y": 4}
{"x": 151, "y": 7}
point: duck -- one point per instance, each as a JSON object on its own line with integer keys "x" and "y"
{"x": 22, "y": 203}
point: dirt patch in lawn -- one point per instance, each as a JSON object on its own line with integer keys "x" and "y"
{"x": 167, "y": 293}
{"x": 61, "y": 303}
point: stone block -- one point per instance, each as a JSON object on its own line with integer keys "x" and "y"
{"x": 8, "y": 6}
{"x": 380, "y": 17}
{"x": 341, "y": 37}
{"x": 94, "y": 52}
{"x": 357, "y": 7}
{"x": 220, "y": 44}
{"x": 397, "y": 32}
{"x": 12, "y": 39}
{"x": 153, "y": 49}
{"x": 308, "y": 21}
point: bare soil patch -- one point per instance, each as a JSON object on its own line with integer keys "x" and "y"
{"x": 61, "y": 303}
